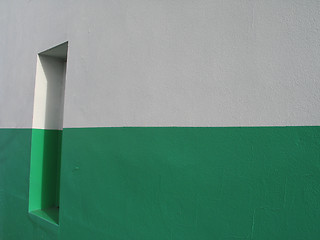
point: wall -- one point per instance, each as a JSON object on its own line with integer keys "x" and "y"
{"x": 219, "y": 71}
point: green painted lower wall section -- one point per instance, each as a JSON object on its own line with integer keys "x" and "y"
{"x": 170, "y": 183}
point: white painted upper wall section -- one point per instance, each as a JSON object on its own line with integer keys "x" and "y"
{"x": 167, "y": 63}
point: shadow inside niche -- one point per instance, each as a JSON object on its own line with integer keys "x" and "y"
{"x": 49, "y": 214}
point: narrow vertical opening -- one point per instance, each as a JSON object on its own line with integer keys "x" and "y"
{"x": 47, "y": 126}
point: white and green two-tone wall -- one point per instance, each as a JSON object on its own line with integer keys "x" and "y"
{"x": 159, "y": 120}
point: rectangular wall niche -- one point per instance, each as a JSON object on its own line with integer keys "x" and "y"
{"x": 47, "y": 128}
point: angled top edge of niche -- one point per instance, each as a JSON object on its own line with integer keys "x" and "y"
{"x": 60, "y": 51}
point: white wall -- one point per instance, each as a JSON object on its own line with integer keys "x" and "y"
{"x": 167, "y": 63}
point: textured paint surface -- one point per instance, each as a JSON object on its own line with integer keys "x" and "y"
{"x": 171, "y": 183}
{"x": 166, "y": 63}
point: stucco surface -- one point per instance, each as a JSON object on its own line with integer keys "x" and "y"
{"x": 257, "y": 183}
{"x": 166, "y": 63}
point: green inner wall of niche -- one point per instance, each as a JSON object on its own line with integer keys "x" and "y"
{"x": 45, "y": 173}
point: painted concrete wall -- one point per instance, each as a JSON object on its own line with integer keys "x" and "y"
{"x": 167, "y": 63}
{"x": 150, "y": 65}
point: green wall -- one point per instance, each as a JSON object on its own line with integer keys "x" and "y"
{"x": 170, "y": 183}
